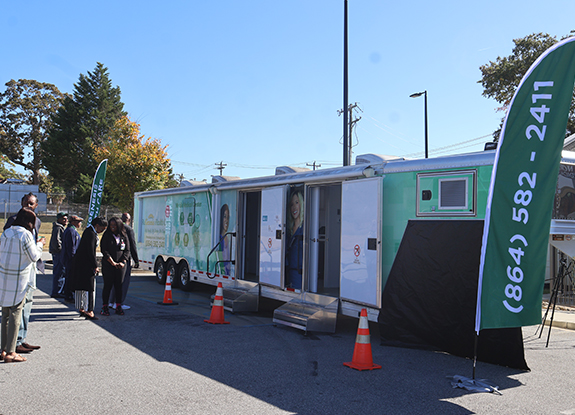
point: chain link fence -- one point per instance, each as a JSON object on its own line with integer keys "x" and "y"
{"x": 80, "y": 209}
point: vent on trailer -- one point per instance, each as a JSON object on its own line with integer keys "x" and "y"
{"x": 375, "y": 159}
{"x": 289, "y": 170}
{"x": 453, "y": 193}
{"x": 220, "y": 179}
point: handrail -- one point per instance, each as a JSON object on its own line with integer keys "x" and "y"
{"x": 217, "y": 262}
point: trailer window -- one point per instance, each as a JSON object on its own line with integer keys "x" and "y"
{"x": 447, "y": 193}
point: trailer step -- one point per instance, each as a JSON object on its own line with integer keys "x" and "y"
{"x": 241, "y": 296}
{"x": 311, "y": 312}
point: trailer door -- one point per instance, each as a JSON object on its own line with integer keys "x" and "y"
{"x": 361, "y": 241}
{"x": 272, "y": 235}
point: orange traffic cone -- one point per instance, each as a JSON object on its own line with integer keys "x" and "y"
{"x": 362, "y": 359}
{"x": 217, "y": 315}
{"x": 168, "y": 292}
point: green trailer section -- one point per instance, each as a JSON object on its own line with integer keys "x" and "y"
{"x": 405, "y": 197}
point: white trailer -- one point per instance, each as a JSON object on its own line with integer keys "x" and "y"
{"x": 323, "y": 242}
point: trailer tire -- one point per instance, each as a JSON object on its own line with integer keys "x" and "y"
{"x": 160, "y": 269}
{"x": 172, "y": 268}
{"x": 184, "y": 278}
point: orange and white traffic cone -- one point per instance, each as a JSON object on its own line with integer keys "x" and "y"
{"x": 362, "y": 358}
{"x": 168, "y": 292}
{"x": 217, "y": 315}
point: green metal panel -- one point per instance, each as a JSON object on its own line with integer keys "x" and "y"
{"x": 400, "y": 204}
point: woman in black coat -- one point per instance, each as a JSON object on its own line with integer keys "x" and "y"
{"x": 116, "y": 253}
{"x": 85, "y": 268}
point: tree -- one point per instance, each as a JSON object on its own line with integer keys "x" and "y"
{"x": 7, "y": 171}
{"x": 82, "y": 123}
{"x": 26, "y": 110}
{"x": 55, "y": 194}
{"x": 135, "y": 163}
{"x": 501, "y": 78}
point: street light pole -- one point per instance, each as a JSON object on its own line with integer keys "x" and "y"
{"x": 418, "y": 94}
{"x": 346, "y": 138}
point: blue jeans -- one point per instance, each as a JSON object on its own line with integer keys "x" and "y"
{"x": 56, "y": 272}
{"x": 23, "y": 332}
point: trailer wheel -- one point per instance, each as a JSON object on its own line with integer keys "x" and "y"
{"x": 161, "y": 271}
{"x": 185, "y": 279}
{"x": 172, "y": 268}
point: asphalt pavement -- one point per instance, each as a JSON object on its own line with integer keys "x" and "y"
{"x": 167, "y": 360}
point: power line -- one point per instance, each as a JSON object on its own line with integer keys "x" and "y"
{"x": 406, "y": 139}
{"x": 189, "y": 164}
{"x": 451, "y": 147}
{"x": 384, "y": 141}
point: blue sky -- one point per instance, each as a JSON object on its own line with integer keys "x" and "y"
{"x": 257, "y": 84}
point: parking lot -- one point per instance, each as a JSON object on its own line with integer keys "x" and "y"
{"x": 165, "y": 359}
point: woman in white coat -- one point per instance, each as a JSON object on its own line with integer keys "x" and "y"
{"x": 19, "y": 253}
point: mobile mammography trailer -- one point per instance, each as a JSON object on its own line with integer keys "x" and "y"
{"x": 323, "y": 242}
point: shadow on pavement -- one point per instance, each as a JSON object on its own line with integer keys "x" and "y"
{"x": 297, "y": 373}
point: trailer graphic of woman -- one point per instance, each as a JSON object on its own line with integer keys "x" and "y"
{"x": 294, "y": 250}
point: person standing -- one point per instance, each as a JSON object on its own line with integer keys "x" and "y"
{"x": 19, "y": 252}
{"x": 127, "y": 220}
{"x": 70, "y": 244}
{"x": 116, "y": 253}
{"x": 55, "y": 249}
{"x": 30, "y": 201}
{"x": 85, "y": 268}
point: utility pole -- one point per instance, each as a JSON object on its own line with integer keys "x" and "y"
{"x": 349, "y": 127}
{"x": 352, "y": 123}
{"x": 221, "y": 166}
{"x": 314, "y": 165}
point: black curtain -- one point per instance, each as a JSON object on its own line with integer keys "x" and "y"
{"x": 431, "y": 293}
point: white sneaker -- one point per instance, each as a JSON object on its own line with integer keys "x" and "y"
{"x": 112, "y": 305}
{"x": 125, "y": 307}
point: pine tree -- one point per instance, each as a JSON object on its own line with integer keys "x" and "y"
{"x": 82, "y": 122}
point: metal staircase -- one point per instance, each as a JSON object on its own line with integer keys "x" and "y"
{"x": 241, "y": 296}
{"x": 310, "y": 312}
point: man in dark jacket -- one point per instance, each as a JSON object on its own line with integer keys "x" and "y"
{"x": 55, "y": 249}
{"x": 70, "y": 244}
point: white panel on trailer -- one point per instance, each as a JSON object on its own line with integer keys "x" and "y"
{"x": 562, "y": 236}
{"x": 271, "y": 236}
{"x": 361, "y": 241}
